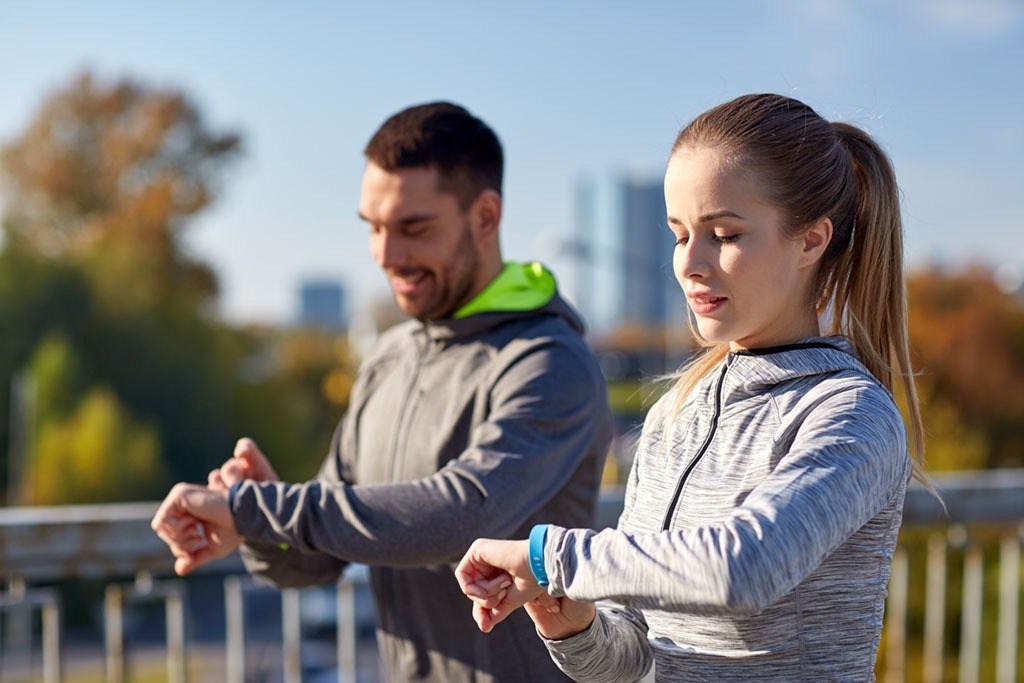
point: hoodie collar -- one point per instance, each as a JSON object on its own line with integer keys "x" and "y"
{"x": 758, "y": 370}
{"x": 518, "y": 287}
{"x": 520, "y": 290}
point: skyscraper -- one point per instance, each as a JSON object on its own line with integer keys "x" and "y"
{"x": 322, "y": 304}
{"x": 624, "y": 249}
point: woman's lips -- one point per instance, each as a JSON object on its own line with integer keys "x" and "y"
{"x": 704, "y": 304}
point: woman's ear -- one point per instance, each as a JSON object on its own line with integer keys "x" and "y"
{"x": 815, "y": 241}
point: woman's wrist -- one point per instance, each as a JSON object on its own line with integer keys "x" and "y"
{"x": 538, "y": 535}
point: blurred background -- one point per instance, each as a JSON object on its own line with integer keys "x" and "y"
{"x": 181, "y": 262}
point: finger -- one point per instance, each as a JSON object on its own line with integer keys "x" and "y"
{"x": 498, "y": 583}
{"x": 482, "y": 587}
{"x": 490, "y": 601}
{"x": 215, "y": 480}
{"x": 548, "y": 602}
{"x": 258, "y": 466}
{"x": 468, "y": 573}
{"x": 482, "y": 617}
{"x": 234, "y": 471}
{"x": 167, "y": 509}
{"x": 245, "y": 445}
{"x": 187, "y": 563}
{"x": 181, "y": 541}
{"x": 176, "y": 523}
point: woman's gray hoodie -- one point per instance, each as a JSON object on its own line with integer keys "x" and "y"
{"x": 757, "y": 535}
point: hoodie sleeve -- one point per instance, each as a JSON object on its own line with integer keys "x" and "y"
{"x": 615, "y": 648}
{"x": 279, "y": 563}
{"x": 847, "y": 463}
{"x": 548, "y": 418}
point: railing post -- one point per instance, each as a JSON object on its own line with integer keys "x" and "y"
{"x": 346, "y": 632}
{"x": 1009, "y": 612}
{"x": 934, "y": 609}
{"x": 113, "y": 634}
{"x": 17, "y": 624}
{"x": 896, "y": 618}
{"x": 291, "y": 628}
{"x": 51, "y": 642}
{"x": 234, "y": 615}
{"x": 144, "y": 589}
{"x": 20, "y": 601}
{"x": 971, "y": 614}
{"x": 175, "y": 609}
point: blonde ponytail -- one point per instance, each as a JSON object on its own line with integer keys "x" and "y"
{"x": 866, "y": 289}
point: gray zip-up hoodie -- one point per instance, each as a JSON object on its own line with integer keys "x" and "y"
{"x": 456, "y": 430}
{"x": 756, "y": 539}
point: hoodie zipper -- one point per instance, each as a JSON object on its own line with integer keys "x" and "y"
{"x": 411, "y": 397}
{"x": 703, "y": 449}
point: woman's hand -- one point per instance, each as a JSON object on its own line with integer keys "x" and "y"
{"x": 496, "y": 576}
{"x": 566, "y": 619}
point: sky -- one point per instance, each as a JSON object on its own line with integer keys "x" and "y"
{"x": 574, "y": 89}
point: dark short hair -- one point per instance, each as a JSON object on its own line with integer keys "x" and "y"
{"x": 445, "y": 136}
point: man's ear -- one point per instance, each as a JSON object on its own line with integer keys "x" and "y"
{"x": 485, "y": 215}
{"x": 815, "y": 241}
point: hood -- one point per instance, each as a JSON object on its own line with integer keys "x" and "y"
{"x": 520, "y": 290}
{"x": 758, "y": 370}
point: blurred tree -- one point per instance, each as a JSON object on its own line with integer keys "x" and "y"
{"x": 57, "y": 374}
{"x": 967, "y": 337}
{"x": 87, "y": 447}
{"x": 37, "y": 297}
{"x": 98, "y": 192}
{"x": 111, "y": 172}
{"x": 98, "y": 454}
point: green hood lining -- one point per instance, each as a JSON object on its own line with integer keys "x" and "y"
{"x": 518, "y": 287}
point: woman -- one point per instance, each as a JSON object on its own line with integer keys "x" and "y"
{"x": 765, "y": 497}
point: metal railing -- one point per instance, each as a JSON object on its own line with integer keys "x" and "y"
{"x": 939, "y": 613}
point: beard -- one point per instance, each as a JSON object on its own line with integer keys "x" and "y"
{"x": 453, "y": 284}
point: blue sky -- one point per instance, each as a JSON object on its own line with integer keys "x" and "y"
{"x": 572, "y": 87}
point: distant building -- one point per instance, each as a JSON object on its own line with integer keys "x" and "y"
{"x": 322, "y": 305}
{"x": 624, "y": 250}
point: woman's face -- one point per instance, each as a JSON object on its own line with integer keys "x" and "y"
{"x": 745, "y": 281}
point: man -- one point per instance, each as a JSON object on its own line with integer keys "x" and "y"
{"x": 480, "y": 417}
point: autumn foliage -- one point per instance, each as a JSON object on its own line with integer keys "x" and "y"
{"x": 127, "y": 382}
{"x": 967, "y": 337}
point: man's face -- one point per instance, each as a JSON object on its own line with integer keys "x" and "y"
{"x": 422, "y": 240}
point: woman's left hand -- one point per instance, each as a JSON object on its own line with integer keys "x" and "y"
{"x": 496, "y": 576}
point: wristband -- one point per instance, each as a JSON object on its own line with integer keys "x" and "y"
{"x": 538, "y": 535}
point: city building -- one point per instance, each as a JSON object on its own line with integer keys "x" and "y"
{"x": 623, "y": 253}
{"x": 322, "y": 304}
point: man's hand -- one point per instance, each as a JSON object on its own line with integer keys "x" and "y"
{"x": 196, "y": 523}
{"x": 248, "y": 463}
